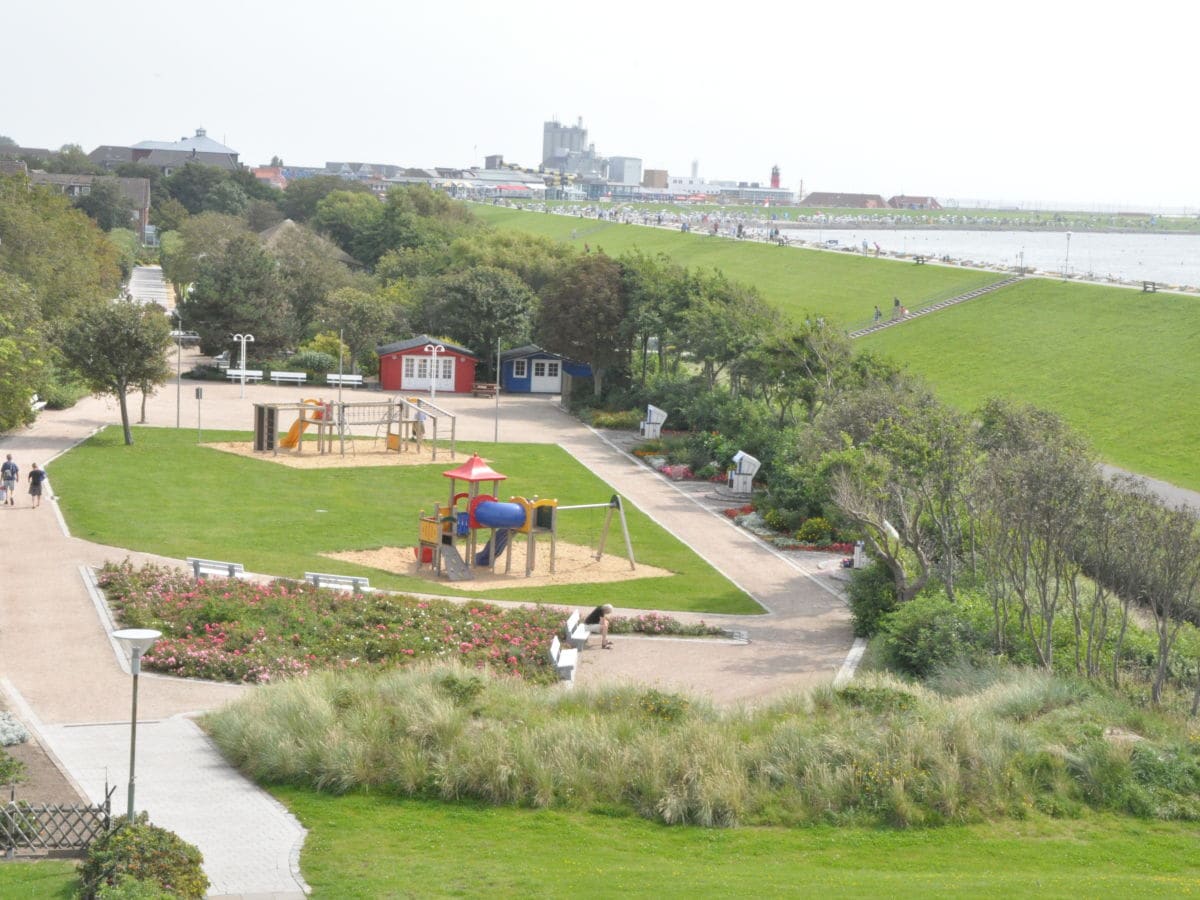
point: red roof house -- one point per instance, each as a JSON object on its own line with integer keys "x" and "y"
{"x": 412, "y": 365}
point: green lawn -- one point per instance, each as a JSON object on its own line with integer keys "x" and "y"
{"x": 1118, "y": 364}
{"x": 40, "y": 880}
{"x": 371, "y": 846}
{"x": 167, "y": 495}
{"x": 841, "y": 286}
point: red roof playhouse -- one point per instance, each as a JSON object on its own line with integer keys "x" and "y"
{"x": 423, "y": 362}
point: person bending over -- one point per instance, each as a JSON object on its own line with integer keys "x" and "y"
{"x": 597, "y": 621}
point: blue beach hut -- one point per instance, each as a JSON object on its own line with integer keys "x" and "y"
{"x": 532, "y": 370}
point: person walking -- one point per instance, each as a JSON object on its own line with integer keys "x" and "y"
{"x": 9, "y": 473}
{"x": 895, "y": 307}
{"x": 878, "y": 314}
{"x": 36, "y": 477}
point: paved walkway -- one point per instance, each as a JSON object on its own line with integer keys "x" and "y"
{"x": 63, "y": 676}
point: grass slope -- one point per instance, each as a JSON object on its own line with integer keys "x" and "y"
{"x": 166, "y": 495}
{"x": 841, "y": 286}
{"x": 1119, "y": 365}
{"x": 371, "y": 846}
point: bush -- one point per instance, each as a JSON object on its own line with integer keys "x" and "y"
{"x": 60, "y": 390}
{"x": 784, "y": 520}
{"x": 12, "y": 771}
{"x": 313, "y": 362}
{"x": 624, "y": 420}
{"x": 815, "y": 531}
{"x": 927, "y": 633}
{"x": 872, "y": 594}
{"x": 127, "y": 888}
{"x": 146, "y": 853}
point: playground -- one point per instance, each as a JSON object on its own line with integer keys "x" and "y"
{"x": 575, "y": 564}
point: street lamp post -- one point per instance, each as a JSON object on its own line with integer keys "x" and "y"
{"x": 178, "y": 366}
{"x": 244, "y": 339}
{"x": 1067, "y": 262}
{"x": 434, "y": 349}
{"x": 137, "y": 641}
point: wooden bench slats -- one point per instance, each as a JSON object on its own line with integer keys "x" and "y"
{"x": 215, "y": 567}
{"x": 339, "y": 582}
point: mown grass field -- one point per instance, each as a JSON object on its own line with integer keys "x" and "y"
{"x": 43, "y": 880}
{"x": 370, "y": 846}
{"x": 1118, "y": 364}
{"x": 844, "y": 287}
{"x": 166, "y": 495}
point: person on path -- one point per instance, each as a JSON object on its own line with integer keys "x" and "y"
{"x": 895, "y": 307}
{"x": 597, "y": 621}
{"x": 419, "y": 429}
{"x": 8, "y": 479}
{"x": 36, "y": 477}
{"x": 878, "y": 314}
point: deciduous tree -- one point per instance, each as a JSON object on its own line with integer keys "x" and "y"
{"x": 583, "y": 316}
{"x": 118, "y": 347}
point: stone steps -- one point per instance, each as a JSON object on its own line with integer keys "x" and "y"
{"x": 932, "y": 308}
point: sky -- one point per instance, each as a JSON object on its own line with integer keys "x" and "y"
{"x": 1013, "y": 103}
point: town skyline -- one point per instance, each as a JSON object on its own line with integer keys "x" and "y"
{"x": 1034, "y": 108}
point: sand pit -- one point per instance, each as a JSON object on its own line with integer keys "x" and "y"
{"x": 575, "y": 564}
{"x": 359, "y": 452}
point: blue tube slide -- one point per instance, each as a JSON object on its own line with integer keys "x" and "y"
{"x": 491, "y": 514}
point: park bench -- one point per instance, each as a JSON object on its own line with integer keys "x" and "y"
{"x": 355, "y": 583}
{"x": 290, "y": 377}
{"x": 919, "y": 260}
{"x": 251, "y": 374}
{"x": 575, "y": 631}
{"x": 36, "y": 403}
{"x": 201, "y": 567}
{"x": 485, "y": 388}
{"x": 333, "y": 380}
{"x": 564, "y": 660}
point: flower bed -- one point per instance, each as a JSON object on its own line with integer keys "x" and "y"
{"x": 657, "y": 623}
{"x": 232, "y": 630}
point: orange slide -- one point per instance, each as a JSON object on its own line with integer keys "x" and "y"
{"x": 297, "y": 429}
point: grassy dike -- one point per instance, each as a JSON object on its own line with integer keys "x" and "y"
{"x": 841, "y": 286}
{"x": 1118, "y": 364}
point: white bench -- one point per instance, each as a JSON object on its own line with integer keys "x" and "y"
{"x": 564, "y": 660}
{"x": 251, "y": 374}
{"x": 333, "y": 379}
{"x": 36, "y": 403}
{"x": 575, "y": 631}
{"x": 292, "y": 377}
{"x": 355, "y": 583}
{"x": 202, "y": 567}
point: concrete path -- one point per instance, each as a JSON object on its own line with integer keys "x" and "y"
{"x": 64, "y": 678}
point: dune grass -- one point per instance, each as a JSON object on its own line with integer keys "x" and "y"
{"x": 878, "y": 751}
{"x": 844, "y": 287}
{"x": 368, "y": 846}
{"x": 166, "y": 495}
{"x": 1119, "y": 365}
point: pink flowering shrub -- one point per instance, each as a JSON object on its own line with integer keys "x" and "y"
{"x": 657, "y": 623}
{"x": 231, "y": 630}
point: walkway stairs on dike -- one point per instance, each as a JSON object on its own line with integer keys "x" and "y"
{"x": 926, "y": 310}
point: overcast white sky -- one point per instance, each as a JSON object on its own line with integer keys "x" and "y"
{"x": 1011, "y": 102}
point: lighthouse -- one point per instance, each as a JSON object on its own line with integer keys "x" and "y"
{"x": 775, "y": 177}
